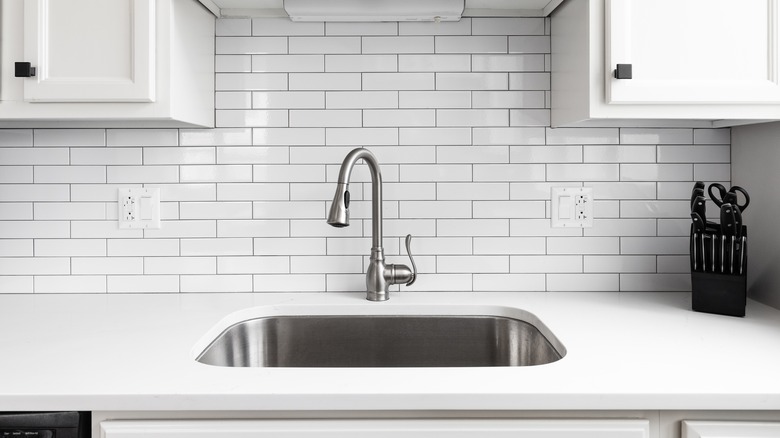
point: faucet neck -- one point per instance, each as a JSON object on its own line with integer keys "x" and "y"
{"x": 376, "y": 189}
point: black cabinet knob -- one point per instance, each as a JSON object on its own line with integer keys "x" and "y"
{"x": 623, "y": 71}
{"x": 23, "y": 70}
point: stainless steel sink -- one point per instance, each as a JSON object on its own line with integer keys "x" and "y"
{"x": 383, "y": 341}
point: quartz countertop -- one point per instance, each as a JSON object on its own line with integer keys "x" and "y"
{"x": 623, "y": 351}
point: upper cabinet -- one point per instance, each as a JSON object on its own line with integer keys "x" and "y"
{"x": 107, "y": 63}
{"x": 665, "y": 62}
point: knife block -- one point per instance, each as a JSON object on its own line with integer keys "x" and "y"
{"x": 720, "y": 293}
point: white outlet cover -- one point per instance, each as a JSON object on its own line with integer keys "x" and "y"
{"x": 138, "y": 208}
{"x": 571, "y": 207}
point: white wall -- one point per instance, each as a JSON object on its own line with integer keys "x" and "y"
{"x": 458, "y": 115}
{"x": 756, "y": 158}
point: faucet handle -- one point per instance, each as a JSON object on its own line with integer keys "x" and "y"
{"x": 414, "y": 266}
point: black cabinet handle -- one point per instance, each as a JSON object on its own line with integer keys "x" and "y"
{"x": 623, "y": 71}
{"x": 23, "y": 70}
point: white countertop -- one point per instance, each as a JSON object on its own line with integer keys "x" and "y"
{"x": 624, "y": 351}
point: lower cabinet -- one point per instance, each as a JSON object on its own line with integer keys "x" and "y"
{"x": 384, "y": 428}
{"x": 730, "y": 429}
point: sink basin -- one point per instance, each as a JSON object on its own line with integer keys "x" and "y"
{"x": 383, "y": 341}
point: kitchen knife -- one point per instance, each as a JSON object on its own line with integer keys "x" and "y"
{"x": 699, "y": 229}
{"x": 739, "y": 238}
{"x": 696, "y": 193}
{"x": 728, "y": 222}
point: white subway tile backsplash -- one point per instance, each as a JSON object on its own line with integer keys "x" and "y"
{"x": 507, "y": 26}
{"x": 284, "y": 26}
{"x": 16, "y": 211}
{"x": 508, "y": 99}
{"x": 399, "y": 81}
{"x": 16, "y": 174}
{"x": 655, "y": 209}
{"x": 16, "y": 247}
{"x": 507, "y": 63}
{"x": 106, "y": 156}
{"x": 326, "y": 118}
{"x": 287, "y": 63}
{"x": 250, "y": 81}
{"x": 655, "y": 282}
{"x": 471, "y": 44}
{"x": 511, "y": 209}
{"x": 70, "y": 284}
{"x": 361, "y": 99}
{"x": 461, "y": 27}
{"x": 360, "y": 28}
{"x": 34, "y": 229}
{"x": 469, "y": 117}
{"x": 288, "y": 136}
{"x": 542, "y": 264}
{"x": 251, "y": 228}
{"x": 472, "y": 227}
{"x": 397, "y": 44}
{"x": 656, "y": 136}
{"x": 145, "y": 137}
{"x": 510, "y": 136}
{"x": 405, "y": 117}
{"x": 509, "y": 282}
{"x": 620, "y": 264}
{"x": 242, "y": 45}
{"x": 16, "y": 137}
{"x": 472, "y": 191}
{"x": 325, "y": 81}
{"x": 529, "y": 44}
{"x": 712, "y": 136}
{"x": 37, "y": 156}
{"x": 434, "y": 99}
{"x": 234, "y": 27}
{"x": 143, "y": 283}
{"x": 178, "y": 155}
{"x": 69, "y": 137}
{"x": 583, "y": 282}
{"x": 288, "y": 99}
{"x": 545, "y": 154}
{"x": 434, "y": 63}
{"x": 472, "y": 81}
{"x": 361, "y": 63}
{"x": 711, "y": 172}
{"x": 457, "y": 114}
{"x": 216, "y": 137}
{"x": 325, "y": 45}
{"x": 362, "y": 136}
{"x": 233, "y": 64}
{"x": 215, "y": 210}
{"x": 215, "y": 283}
{"x": 107, "y": 265}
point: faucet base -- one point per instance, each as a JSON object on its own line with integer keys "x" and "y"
{"x": 377, "y": 296}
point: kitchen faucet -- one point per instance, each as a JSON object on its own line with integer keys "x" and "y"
{"x": 379, "y": 275}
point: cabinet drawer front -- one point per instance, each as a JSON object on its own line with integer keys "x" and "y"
{"x": 90, "y": 50}
{"x": 693, "y": 51}
{"x": 498, "y": 428}
{"x": 730, "y": 429}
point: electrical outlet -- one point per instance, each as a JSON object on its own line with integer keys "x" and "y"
{"x": 572, "y": 207}
{"x": 139, "y": 208}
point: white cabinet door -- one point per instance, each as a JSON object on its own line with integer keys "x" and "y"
{"x": 454, "y": 428}
{"x": 730, "y": 429}
{"x": 90, "y": 50}
{"x": 693, "y": 51}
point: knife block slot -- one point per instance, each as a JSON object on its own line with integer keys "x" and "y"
{"x": 720, "y": 293}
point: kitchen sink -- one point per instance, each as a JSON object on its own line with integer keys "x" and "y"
{"x": 383, "y": 341}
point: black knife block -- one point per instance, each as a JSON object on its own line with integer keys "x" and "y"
{"x": 720, "y": 293}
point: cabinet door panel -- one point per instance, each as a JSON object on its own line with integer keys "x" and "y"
{"x": 587, "y": 428}
{"x": 693, "y": 51}
{"x": 90, "y": 50}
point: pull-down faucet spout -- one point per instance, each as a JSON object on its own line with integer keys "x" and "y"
{"x": 379, "y": 275}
